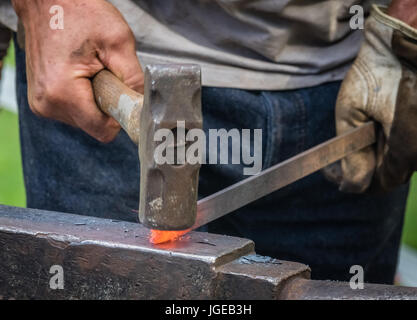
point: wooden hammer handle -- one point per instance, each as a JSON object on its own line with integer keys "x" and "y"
{"x": 118, "y": 101}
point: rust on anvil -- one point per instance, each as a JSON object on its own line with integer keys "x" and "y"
{"x": 107, "y": 259}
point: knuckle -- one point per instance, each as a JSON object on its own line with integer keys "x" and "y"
{"x": 105, "y": 137}
{"x": 106, "y": 133}
{"x": 135, "y": 81}
{"x": 39, "y": 105}
{"x": 121, "y": 35}
{"x": 51, "y": 93}
{"x": 44, "y": 99}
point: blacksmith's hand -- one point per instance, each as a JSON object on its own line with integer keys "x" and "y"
{"x": 382, "y": 86}
{"x": 62, "y": 57}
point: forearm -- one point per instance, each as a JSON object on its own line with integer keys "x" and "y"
{"x": 405, "y": 10}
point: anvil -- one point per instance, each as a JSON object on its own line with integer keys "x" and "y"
{"x": 107, "y": 259}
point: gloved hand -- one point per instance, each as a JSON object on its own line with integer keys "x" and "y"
{"x": 381, "y": 86}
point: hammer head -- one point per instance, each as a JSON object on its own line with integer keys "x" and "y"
{"x": 168, "y": 195}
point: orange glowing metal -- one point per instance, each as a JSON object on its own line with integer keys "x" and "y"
{"x": 159, "y": 236}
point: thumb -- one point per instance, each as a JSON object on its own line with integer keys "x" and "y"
{"x": 123, "y": 62}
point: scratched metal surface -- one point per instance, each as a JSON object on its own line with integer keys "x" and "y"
{"x": 105, "y": 259}
{"x": 73, "y": 228}
{"x": 302, "y": 289}
{"x": 169, "y": 193}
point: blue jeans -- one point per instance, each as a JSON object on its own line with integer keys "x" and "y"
{"x": 309, "y": 221}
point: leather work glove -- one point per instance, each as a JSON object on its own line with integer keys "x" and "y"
{"x": 381, "y": 86}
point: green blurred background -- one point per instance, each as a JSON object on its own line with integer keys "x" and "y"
{"x": 12, "y": 191}
{"x": 11, "y": 180}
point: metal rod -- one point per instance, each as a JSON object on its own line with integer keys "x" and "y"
{"x": 283, "y": 174}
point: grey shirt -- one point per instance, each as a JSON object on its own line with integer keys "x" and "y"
{"x": 250, "y": 44}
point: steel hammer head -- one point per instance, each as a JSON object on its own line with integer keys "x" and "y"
{"x": 169, "y": 190}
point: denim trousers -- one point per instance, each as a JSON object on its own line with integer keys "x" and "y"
{"x": 309, "y": 221}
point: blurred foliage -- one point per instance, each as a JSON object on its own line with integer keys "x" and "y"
{"x": 410, "y": 225}
{"x": 12, "y": 190}
{"x": 9, "y": 59}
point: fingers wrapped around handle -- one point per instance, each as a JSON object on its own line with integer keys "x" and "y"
{"x": 115, "y": 99}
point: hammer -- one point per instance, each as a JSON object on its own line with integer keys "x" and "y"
{"x": 168, "y": 192}
{"x": 168, "y": 197}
